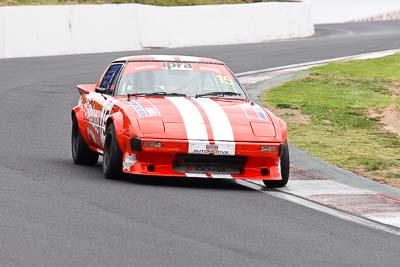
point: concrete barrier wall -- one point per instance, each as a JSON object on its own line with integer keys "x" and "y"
{"x": 338, "y": 11}
{"x": 73, "y": 29}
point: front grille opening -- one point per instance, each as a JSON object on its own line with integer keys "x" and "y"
{"x": 194, "y": 163}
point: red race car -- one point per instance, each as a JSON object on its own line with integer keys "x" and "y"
{"x": 177, "y": 116}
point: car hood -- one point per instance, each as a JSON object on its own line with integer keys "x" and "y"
{"x": 201, "y": 119}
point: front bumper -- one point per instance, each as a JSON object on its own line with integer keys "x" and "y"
{"x": 202, "y": 159}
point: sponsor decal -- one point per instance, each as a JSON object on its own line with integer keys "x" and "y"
{"x": 254, "y": 112}
{"x": 148, "y": 110}
{"x": 97, "y": 119}
{"x": 129, "y": 161}
{"x": 260, "y": 113}
{"x": 209, "y": 69}
{"x": 211, "y": 149}
{"x": 92, "y": 116}
{"x": 177, "y": 66}
{"x": 138, "y": 108}
{"x": 151, "y": 112}
{"x": 205, "y": 151}
{"x": 146, "y": 67}
{"x": 91, "y": 134}
{"x": 105, "y": 114}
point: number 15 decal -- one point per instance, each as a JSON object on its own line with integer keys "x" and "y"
{"x": 225, "y": 79}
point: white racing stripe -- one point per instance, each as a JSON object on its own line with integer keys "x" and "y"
{"x": 213, "y": 175}
{"x": 196, "y": 175}
{"x": 220, "y": 124}
{"x": 194, "y": 124}
{"x": 221, "y": 176}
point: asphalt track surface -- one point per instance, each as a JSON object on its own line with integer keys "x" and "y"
{"x": 53, "y": 213}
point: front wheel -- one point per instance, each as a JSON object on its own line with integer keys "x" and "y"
{"x": 112, "y": 157}
{"x": 81, "y": 153}
{"x": 285, "y": 169}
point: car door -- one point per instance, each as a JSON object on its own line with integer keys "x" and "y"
{"x": 103, "y": 100}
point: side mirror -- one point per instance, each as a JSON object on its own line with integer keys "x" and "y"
{"x": 100, "y": 90}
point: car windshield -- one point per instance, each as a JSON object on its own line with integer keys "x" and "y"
{"x": 179, "y": 79}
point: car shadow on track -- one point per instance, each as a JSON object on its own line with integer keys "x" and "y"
{"x": 183, "y": 182}
{"x": 199, "y": 183}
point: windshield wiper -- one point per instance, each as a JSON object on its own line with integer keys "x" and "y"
{"x": 217, "y": 93}
{"x": 162, "y": 93}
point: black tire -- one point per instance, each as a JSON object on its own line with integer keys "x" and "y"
{"x": 285, "y": 170}
{"x": 112, "y": 157}
{"x": 81, "y": 153}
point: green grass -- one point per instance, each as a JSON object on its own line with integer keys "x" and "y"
{"x": 383, "y": 68}
{"x": 336, "y": 99}
{"x": 147, "y": 2}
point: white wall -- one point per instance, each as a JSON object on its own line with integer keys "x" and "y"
{"x": 2, "y": 34}
{"x": 74, "y": 29}
{"x": 338, "y": 11}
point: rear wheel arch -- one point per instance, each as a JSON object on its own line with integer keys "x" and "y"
{"x": 81, "y": 153}
{"x": 117, "y": 120}
{"x": 74, "y": 112}
{"x": 77, "y": 114}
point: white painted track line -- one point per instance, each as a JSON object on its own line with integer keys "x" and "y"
{"x": 310, "y": 64}
{"x": 321, "y": 187}
{"x": 318, "y": 207}
{"x": 390, "y": 218}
